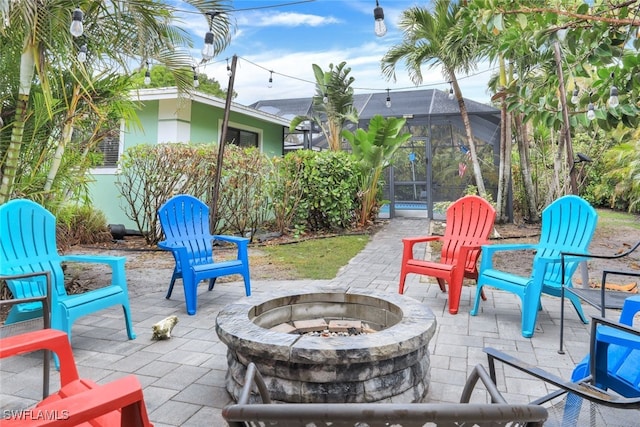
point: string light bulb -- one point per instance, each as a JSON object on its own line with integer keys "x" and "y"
{"x": 613, "y": 94}
{"x": 196, "y": 82}
{"x": 270, "y": 84}
{"x": 208, "y": 51}
{"x": 591, "y": 110}
{"x": 388, "y": 103}
{"x": 379, "y": 27}
{"x": 147, "y": 76}
{"x": 575, "y": 99}
{"x": 325, "y": 98}
{"x": 207, "y": 48}
{"x": 228, "y": 68}
{"x": 82, "y": 53}
{"x": 451, "y": 94}
{"x": 613, "y": 97}
{"x": 76, "y": 29}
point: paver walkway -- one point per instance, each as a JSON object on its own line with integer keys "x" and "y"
{"x": 183, "y": 377}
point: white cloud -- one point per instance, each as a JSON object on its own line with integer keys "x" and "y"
{"x": 285, "y": 19}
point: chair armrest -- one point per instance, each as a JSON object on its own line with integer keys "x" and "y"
{"x": 489, "y": 250}
{"x": 231, "y": 239}
{"x": 409, "y": 242}
{"x": 420, "y": 239}
{"x": 614, "y": 333}
{"x": 588, "y": 255}
{"x": 43, "y": 339}
{"x": 117, "y": 264}
{"x": 124, "y": 393}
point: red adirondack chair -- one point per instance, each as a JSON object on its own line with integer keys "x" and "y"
{"x": 79, "y": 402}
{"x": 468, "y": 225}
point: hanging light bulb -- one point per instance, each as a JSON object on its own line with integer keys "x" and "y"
{"x": 196, "y": 82}
{"x": 207, "y": 48}
{"x": 613, "y": 97}
{"x": 82, "y": 53}
{"x": 575, "y": 99}
{"x": 378, "y": 14}
{"x": 613, "y": 94}
{"x": 591, "y": 110}
{"x": 325, "y": 98}
{"x": 147, "y": 76}
{"x": 208, "y": 51}
{"x": 76, "y": 29}
{"x": 451, "y": 94}
{"x": 388, "y": 103}
{"x": 228, "y": 68}
{"x": 270, "y": 84}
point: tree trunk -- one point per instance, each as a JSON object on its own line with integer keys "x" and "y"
{"x": 65, "y": 138}
{"x": 565, "y": 118}
{"x": 477, "y": 172}
{"x": 523, "y": 138}
{"x": 10, "y": 166}
{"x": 504, "y": 167}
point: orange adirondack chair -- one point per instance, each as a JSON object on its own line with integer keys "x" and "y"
{"x": 468, "y": 225}
{"x": 79, "y": 402}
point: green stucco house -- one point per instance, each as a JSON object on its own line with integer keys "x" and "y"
{"x": 169, "y": 116}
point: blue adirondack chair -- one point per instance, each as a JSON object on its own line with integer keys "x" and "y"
{"x": 620, "y": 369}
{"x": 568, "y": 225}
{"x": 185, "y": 222}
{"x": 28, "y": 244}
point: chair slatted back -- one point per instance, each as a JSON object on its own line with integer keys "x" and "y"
{"x": 568, "y": 225}
{"x": 185, "y": 221}
{"x": 469, "y": 221}
{"x": 27, "y": 245}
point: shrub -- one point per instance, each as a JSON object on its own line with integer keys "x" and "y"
{"x": 151, "y": 174}
{"x": 78, "y": 225}
{"x": 242, "y": 205}
{"x": 329, "y": 185}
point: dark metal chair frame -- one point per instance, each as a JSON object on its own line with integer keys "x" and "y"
{"x": 245, "y": 413}
{"x": 601, "y": 299}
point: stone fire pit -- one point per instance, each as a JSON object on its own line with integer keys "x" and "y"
{"x": 390, "y": 364}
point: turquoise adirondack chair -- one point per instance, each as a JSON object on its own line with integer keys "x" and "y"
{"x": 185, "y": 222}
{"x": 568, "y": 225}
{"x": 28, "y": 244}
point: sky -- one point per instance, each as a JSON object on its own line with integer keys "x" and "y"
{"x": 289, "y": 38}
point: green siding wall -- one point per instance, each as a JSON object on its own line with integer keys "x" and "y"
{"x": 205, "y": 121}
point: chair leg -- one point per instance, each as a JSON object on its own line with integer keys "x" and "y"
{"x": 247, "y": 284}
{"x": 454, "y": 298}
{"x": 190, "y": 293}
{"x": 577, "y": 306}
{"x": 173, "y": 282}
{"x": 212, "y": 283}
{"x": 476, "y": 302}
{"x": 403, "y": 278}
{"x": 442, "y": 285}
{"x": 127, "y": 319}
{"x": 529, "y": 317}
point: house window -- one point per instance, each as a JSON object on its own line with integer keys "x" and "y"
{"x": 242, "y": 138}
{"x": 110, "y": 149}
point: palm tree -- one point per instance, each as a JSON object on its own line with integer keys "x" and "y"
{"x": 138, "y": 29}
{"x": 427, "y": 40}
{"x": 332, "y": 104}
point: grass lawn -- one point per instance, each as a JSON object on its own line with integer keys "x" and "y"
{"x": 317, "y": 258}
